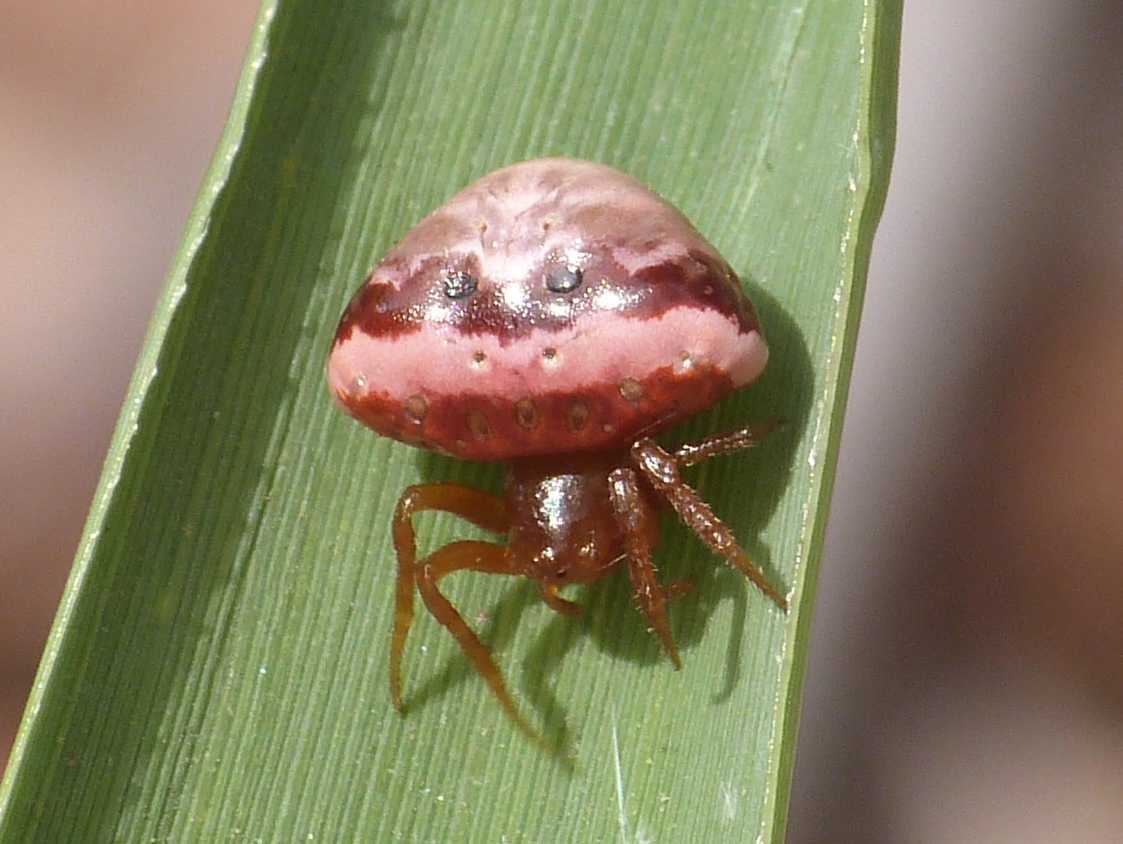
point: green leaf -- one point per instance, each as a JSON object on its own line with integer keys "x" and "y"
{"x": 217, "y": 670}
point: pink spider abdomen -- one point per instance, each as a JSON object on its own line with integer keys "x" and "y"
{"x": 552, "y": 306}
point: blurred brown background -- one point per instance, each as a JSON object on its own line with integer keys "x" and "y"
{"x": 966, "y": 679}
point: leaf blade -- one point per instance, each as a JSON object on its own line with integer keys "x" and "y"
{"x": 217, "y": 666}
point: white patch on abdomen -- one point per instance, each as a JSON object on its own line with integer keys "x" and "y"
{"x": 599, "y": 348}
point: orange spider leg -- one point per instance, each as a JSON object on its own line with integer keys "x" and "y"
{"x": 662, "y": 471}
{"x": 475, "y": 556}
{"x": 556, "y": 602}
{"x": 479, "y": 507}
{"x": 631, "y": 513}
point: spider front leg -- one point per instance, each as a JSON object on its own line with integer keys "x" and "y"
{"x": 661, "y": 469}
{"x": 475, "y": 556}
{"x": 634, "y": 516}
{"x": 479, "y": 507}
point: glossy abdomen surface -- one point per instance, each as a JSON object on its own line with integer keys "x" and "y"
{"x": 552, "y": 306}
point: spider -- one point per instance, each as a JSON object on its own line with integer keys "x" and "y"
{"x": 553, "y": 315}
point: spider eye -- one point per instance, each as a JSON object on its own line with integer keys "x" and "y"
{"x": 564, "y": 279}
{"x": 460, "y": 284}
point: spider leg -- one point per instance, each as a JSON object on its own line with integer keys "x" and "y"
{"x": 631, "y": 512}
{"x": 475, "y": 556}
{"x": 556, "y": 602}
{"x": 690, "y": 453}
{"x": 662, "y": 472}
{"x": 479, "y": 507}
{"x": 559, "y": 604}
